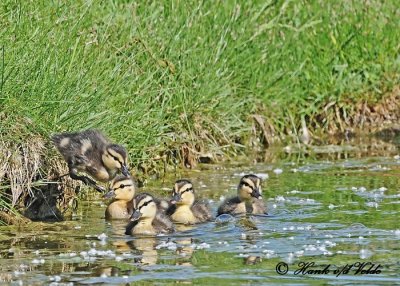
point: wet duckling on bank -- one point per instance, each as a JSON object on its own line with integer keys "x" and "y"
{"x": 184, "y": 208}
{"x": 248, "y": 200}
{"x": 122, "y": 190}
{"x": 147, "y": 218}
{"x": 91, "y": 152}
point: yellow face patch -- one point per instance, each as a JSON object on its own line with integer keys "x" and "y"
{"x": 115, "y": 155}
{"x": 250, "y": 183}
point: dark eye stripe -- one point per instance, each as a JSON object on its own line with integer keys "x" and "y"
{"x": 247, "y": 185}
{"x": 187, "y": 190}
{"x": 122, "y": 186}
{"x": 116, "y": 159}
{"x": 145, "y": 204}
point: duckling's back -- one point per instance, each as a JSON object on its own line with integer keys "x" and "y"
{"x": 77, "y": 147}
{"x": 201, "y": 211}
{"x": 236, "y": 206}
{"x": 229, "y": 206}
{"x": 162, "y": 223}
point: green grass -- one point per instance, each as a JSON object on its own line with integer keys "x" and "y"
{"x": 154, "y": 75}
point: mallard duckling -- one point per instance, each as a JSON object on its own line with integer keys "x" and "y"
{"x": 122, "y": 190}
{"x": 248, "y": 200}
{"x": 184, "y": 208}
{"x": 147, "y": 218}
{"x": 91, "y": 152}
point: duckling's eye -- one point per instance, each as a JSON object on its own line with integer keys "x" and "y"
{"x": 187, "y": 190}
{"x": 122, "y": 186}
{"x": 145, "y": 204}
{"x": 116, "y": 159}
{"x": 247, "y": 185}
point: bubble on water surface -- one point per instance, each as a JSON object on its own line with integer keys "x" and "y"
{"x": 372, "y": 204}
{"x": 329, "y": 243}
{"x": 289, "y": 258}
{"x": 170, "y": 245}
{"x": 55, "y": 278}
{"x": 200, "y": 246}
{"x": 365, "y": 253}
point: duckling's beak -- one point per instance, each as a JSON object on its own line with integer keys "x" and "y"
{"x": 136, "y": 215}
{"x": 125, "y": 171}
{"x": 109, "y": 195}
{"x": 256, "y": 194}
{"x": 176, "y": 198}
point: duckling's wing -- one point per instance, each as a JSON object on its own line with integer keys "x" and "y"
{"x": 229, "y": 206}
{"x": 201, "y": 211}
{"x": 163, "y": 205}
{"x": 163, "y": 224}
{"x": 259, "y": 207}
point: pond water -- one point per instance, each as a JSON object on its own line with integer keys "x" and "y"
{"x": 337, "y": 214}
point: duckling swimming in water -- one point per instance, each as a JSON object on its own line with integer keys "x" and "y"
{"x": 91, "y": 152}
{"x": 147, "y": 218}
{"x": 248, "y": 200}
{"x": 122, "y": 190}
{"x": 184, "y": 208}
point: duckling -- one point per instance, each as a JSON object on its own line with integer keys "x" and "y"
{"x": 122, "y": 190}
{"x": 147, "y": 218}
{"x": 91, "y": 152}
{"x": 184, "y": 208}
{"x": 248, "y": 200}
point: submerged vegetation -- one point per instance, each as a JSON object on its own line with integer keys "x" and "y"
{"x": 186, "y": 79}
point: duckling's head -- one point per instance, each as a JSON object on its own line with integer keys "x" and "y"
{"x": 144, "y": 207}
{"x": 115, "y": 158}
{"x": 249, "y": 187}
{"x": 122, "y": 188}
{"x": 183, "y": 193}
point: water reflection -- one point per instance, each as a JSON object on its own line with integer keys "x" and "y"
{"x": 145, "y": 247}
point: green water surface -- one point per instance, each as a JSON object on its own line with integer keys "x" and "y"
{"x": 330, "y": 212}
